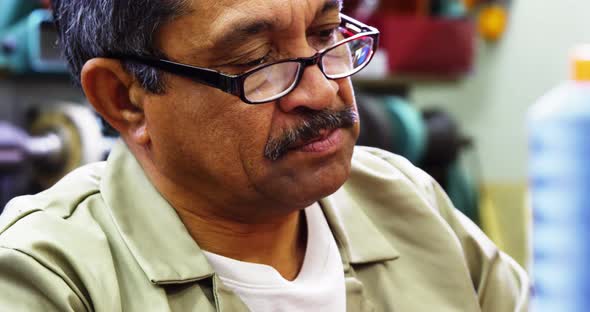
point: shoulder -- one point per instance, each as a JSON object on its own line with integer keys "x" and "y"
{"x": 60, "y": 201}
{"x": 403, "y": 200}
{"x": 56, "y": 231}
{"x": 58, "y": 215}
{"x": 50, "y": 211}
{"x": 382, "y": 169}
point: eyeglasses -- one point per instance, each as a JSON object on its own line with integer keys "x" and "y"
{"x": 355, "y": 46}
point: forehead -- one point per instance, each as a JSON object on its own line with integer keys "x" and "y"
{"x": 210, "y": 21}
{"x": 218, "y": 12}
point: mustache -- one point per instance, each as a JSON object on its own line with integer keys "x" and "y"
{"x": 311, "y": 127}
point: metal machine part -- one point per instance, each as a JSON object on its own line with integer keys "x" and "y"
{"x": 17, "y": 147}
{"x": 29, "y": 46}
{"x": 60, "y": 139}
{"x": 445, "y": 140}
{"x": 392, "y": 124}
{"x": 376, "y": 126}
{"x": 82, "y": 142}
{"x": 13, "y": 10}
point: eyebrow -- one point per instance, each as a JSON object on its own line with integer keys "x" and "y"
{"x": 242, "y": 30}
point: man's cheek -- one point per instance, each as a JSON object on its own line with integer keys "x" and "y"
{"x": 346, "y": 91}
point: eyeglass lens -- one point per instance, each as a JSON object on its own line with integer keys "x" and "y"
{"x": 347, "y": 59}
{"x": 271, "y": 81}
{"x": 276, "y": 80}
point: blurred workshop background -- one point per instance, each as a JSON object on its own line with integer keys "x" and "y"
{"x": 486, "y": 96}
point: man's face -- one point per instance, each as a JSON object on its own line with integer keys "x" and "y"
{"x": 213, "y": 144}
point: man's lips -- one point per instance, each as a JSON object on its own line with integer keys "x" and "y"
{"x": 324, "y": 134}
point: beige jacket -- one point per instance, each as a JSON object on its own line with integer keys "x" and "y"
{"x": 103, "y": 239}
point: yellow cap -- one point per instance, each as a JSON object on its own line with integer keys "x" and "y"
{"x": 581, "y": 63}
{"x": 492, "y": 22}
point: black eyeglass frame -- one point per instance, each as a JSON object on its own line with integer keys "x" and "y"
{"x": 234, "y": 84}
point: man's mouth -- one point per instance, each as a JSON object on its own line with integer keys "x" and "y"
{"x": 327, "y": 141}
{"x": 321, "y": 131}
{"x": 323, "y": 134}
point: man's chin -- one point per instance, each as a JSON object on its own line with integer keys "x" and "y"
{"x": 302, "y": 177}
{"x": 308, "y": 184}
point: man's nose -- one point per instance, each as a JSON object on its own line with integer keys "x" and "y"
{"x": 314, "y": 91}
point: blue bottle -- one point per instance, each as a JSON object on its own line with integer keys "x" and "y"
{"x": 559, "y": 173}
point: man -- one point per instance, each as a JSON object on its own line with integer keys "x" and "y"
{"x": 238, "y": 186}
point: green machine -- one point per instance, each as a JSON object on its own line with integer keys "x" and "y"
{"x": 11, "y": 11}
{"x": 430, "y": 140}
{"x": 28, "y": 39}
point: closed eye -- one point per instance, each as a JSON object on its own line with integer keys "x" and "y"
{"x": 324, "y": 38}
{"x": 254, "y": 63}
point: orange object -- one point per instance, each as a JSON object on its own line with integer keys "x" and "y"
{"x": 470, "y": 4}
{"x": 581, "y": 63}
{"x": 492, "y": 22}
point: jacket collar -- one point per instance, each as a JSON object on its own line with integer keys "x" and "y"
{"x": 150, "y": 227}
{"x": 359, "y": 239}
{"x": 166, "y": 252}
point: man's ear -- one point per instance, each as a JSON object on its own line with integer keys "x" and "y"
{"x": 108, "y": 88}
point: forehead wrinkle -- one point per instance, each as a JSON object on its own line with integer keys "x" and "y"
{"x": 231, "y": 23}
{"x": 261, "y": 19}
{"x": 199, "y": 32}
{"x": 236, "y": 24}
{"x": 241, "y": 32}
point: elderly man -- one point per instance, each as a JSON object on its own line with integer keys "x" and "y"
{"x": 237, "y": 186}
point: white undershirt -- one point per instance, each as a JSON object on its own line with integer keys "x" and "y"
{"x": 319, "y": 286}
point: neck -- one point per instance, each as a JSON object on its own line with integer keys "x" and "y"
{"x": 279, "y": 243}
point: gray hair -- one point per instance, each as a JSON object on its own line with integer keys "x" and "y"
{"x": 98, "y": 28}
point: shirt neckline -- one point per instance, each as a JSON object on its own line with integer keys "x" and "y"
{"x": 255, "y": 275}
